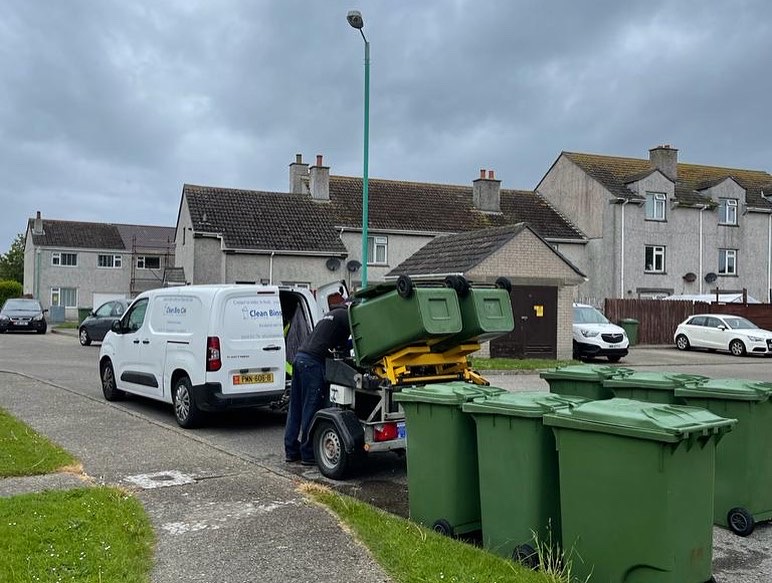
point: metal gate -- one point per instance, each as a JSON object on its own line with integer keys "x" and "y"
{"x": 536, "y": 325}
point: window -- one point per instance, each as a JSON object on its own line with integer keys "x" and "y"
{"x": 654, "y": 258}
{"x": 148, "y": 262}
{"x": 136, "y": 315}
{"x": 67, "y": 259}
{"x": 727, "y": 261}
{"x": 64, "y": 296}
{"x": 377, "y": 250}
{"x": 114, "y": 261}
{"x": 655, "y": 206}
{"x": 727, "y": 211}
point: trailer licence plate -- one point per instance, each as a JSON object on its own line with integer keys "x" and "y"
{"x": 253, "y": 379}
{"x": 401, "y": 430}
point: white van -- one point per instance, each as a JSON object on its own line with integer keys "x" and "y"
{"x": 594, "y": 335}
{"x": 209, "y": 347}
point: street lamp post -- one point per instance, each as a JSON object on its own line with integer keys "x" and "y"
{"x": 355, "y": 20}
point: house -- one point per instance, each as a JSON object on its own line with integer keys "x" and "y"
{"x": 76, "y": 264}
{"x": 543, "y": 284}
{"x": 659, "y": 227}
{"x": 311, "y": 234}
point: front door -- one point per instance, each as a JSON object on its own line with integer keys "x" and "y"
{"x": 535, "y": 309}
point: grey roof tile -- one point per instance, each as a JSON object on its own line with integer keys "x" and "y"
{"x": 77, "y": 235}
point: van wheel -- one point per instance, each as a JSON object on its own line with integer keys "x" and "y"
{"x": 83, "y": 337}
{"x": 109, "y": 388}
{"x": 186, "y": 411}
{"x": 331, "y": 456}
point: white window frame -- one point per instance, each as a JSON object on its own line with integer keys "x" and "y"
{"x": 115, "y": 260}
{"x": 56, "y": 296}
{"x": 142, "y": 259}
{"x": 56, "y": 259}
{"x": 374, "y": 244}
{"x": 656, "y": 203}
{"x": 727, "y": 257}
{"x": 658, "y": 256}
{"x": 727, "y": 211}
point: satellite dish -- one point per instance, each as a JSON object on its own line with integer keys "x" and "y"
{"x": 690, "y": 277}
{"x": 333, "y": 264}
{"x": 710, "y": 277}
{"x": 353, "y": 265}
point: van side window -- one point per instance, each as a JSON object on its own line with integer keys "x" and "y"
{"x": 136, "y": 316}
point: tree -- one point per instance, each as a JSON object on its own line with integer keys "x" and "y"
{"x": 12, "y": 263}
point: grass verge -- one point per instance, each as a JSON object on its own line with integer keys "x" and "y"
{"x": 89, "y": 535}
{"x": 410, "y": 553}
{"x": 26, "y": 453}
{"x": 518, "y": 364}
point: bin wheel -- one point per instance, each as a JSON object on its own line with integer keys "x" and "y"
{"x": 442, "y": 527}
{"x": 527, "y": 556}
{"x": 682, "y": 342}
{"x": 404, "y": 286}
{"x": 331, "y": 456}
{"x": 504, "y": 283}
{"x": 740, "y": 521}
{"x": 459, "y": 284}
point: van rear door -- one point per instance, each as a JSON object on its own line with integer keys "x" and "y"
{"x": 248, "y": 322}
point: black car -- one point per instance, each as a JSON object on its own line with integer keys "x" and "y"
{"x": 23, "y": 314}
{"x": 94, "y": 328}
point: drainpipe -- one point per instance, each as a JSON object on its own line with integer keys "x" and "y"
{"x": 270, "y": 268}
{"x": 702, "y": 210}
{"x": 37, "y": 275}
{"x": 622, "y": 253}
{"x": 769, "y": 258}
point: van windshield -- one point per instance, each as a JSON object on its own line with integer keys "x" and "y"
{"x": 588, "y": 315}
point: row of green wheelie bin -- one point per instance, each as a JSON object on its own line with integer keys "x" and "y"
{"x": 624, "y": 487}
{"x": 743, "y": 480}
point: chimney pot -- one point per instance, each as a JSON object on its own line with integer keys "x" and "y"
{"x": 319, "y": 160}
{"x": 298, "y": 158}
{"x": 491, "y": 175}
{"x": 37, "y": 215}
{"x": 482, "y": 173}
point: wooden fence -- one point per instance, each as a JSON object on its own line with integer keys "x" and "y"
{"x": 658, "y": 319}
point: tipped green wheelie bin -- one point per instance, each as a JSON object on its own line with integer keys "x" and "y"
{"x": 743, "y": 462}
{"x": 443, "y": 489}
{"x": 650, "y": 386}
{"x": 486, "y": 313}
{"x": 636, "y": 490}
{"x": 386, "y": 322}
{"x": 583, "y": 380}
{"x": 518, "y": 469}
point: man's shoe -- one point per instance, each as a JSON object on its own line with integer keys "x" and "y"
{"x": 307, "y": 462}
{"x": 291, "y": 459}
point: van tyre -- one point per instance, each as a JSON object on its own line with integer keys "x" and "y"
{"x": 109, "y": 388}
{"x": 186, "y": 412}
{"x": 330, "y": 452}
{"x": 737, "y": 348}
{"x": 740, "y": 521}
{"x": 83, "y": 337}
{"x": 682, "y": 342}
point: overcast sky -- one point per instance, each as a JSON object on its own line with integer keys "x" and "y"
{"x": 107, "y": 108}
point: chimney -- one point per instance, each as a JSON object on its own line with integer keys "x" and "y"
{"x": 320, "y": 180}
{"x": 486, "y": 192}
{"x": 665, "y": 159}
{"x": 37, "y": 229}
{"x": 298, "y": 176}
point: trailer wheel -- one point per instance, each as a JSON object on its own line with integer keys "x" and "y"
{"x": 404, "y": 286}
{"x": 331, "y": 456}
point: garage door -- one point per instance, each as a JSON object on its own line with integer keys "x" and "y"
{"x": 102, "y": 297}
{"x": 536, "y": 316}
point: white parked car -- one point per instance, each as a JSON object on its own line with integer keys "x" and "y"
{"x": 736, "y": 334}
{"x": 594, "y": 335}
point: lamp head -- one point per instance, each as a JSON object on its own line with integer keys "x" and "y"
{"x": 354, "y": 18}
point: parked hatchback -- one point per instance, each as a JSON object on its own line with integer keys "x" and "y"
{"x": 98, "y": 323}
{"x": 735, "y": 334}
{"x": 23, "y": 314}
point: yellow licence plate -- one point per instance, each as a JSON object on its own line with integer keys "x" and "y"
{"x": 252, "y": 379}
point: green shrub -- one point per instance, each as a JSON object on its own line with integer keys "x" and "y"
{"x": 9, "y": 289}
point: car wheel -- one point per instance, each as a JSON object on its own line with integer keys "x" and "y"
{"x": 614, "y": 358}
{"x": 109, "y": 388}
{"x": 682, "y": 342}
{"x": 42, "y": 330}
{"x": 186, "y": 411}
{"x": 331, "y": 456}
{"x": 737, "y": 348}
{"x": 83, "y": 337}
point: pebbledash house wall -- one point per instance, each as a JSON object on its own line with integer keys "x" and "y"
{"x": 400, "y": 247}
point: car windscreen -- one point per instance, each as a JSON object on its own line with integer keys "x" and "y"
{"x": 22, "y": 306}
{"x": 740, "y": 324}
{"x": 588, "y": 315}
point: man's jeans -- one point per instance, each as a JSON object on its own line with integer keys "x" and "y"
{"x": 308, "y": 394}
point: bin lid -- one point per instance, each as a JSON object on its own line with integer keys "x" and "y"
{"x": 586, "y": 372}
{"x": 628, "y": 321}
{"x": 652, "y": 421}
{"x": 445, "y": 393}
{"x": 727, "y": 389}
{"x": 665, "y": 381}
{"x": 522, "y": 404}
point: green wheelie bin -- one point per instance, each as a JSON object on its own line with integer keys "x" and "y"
{"x": 651, "y": 386}
{"x": 486, "y": 313}
{"x": 518, "y": 469}
{"x": 743, "y": 463}
{"x": 636, "y": 490}
{"x": 443, "y": 489}
{"x": 583, "y": 380}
